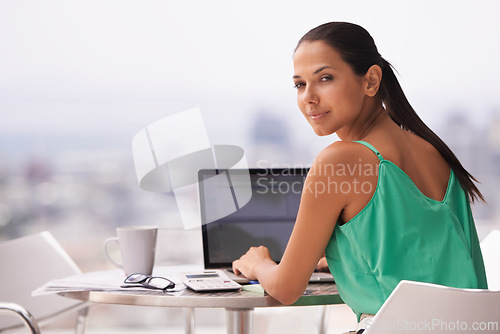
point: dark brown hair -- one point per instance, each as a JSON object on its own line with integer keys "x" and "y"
{"x": 358, "y": 49}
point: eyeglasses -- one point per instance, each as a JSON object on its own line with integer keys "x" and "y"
{"x": 147, "y": 281}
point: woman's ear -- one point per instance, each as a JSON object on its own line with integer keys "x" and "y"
{"x": 373, "y": 77}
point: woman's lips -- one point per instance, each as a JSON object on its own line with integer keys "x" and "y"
{"x": 317, "y": 115}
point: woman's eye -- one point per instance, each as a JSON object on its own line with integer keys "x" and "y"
{"x": 299, "y": 85}
{"x": 326, "y": 78}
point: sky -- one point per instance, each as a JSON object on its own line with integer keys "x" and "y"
{"x": 97, "y": 69}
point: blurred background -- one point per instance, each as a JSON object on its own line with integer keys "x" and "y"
{"x": 78, "y": 79}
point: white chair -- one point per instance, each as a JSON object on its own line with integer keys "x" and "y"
{"x": 415, "y": 307}
{"x": 26, "y": 264}
{"x": 490, "y": 247}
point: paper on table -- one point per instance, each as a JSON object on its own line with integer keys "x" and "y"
{"x": 109, "y": 280}
{"x": 253, "y": 288}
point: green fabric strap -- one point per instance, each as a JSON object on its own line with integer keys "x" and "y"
{"x": 370, "y": 146}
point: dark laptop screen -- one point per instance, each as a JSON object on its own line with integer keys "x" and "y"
{"x": 267, "y": 219}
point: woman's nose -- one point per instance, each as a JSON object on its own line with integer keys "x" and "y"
{"x": 310, "y": 96}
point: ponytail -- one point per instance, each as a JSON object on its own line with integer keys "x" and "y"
{"x": 403, "y": 114}
{"x": 358, "y": 49}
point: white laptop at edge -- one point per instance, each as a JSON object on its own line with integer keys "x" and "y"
{"x": 267, "y": 219}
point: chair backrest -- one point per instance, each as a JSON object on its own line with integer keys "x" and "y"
{"x": 415, "y": 307}
{"x": 26, "y": 264}
{"x": 490, "y": 247}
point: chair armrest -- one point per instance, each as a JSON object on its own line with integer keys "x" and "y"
{"x": 24, "y": 314}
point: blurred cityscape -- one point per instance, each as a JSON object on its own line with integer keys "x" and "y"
{"x": 80, "y": 191}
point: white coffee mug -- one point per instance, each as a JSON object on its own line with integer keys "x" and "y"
{"x": 137, "y": 248}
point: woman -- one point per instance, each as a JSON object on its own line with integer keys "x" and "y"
{"x": 388, "y": 202}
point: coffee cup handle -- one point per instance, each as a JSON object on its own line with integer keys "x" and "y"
{"x": 106, "y": 243}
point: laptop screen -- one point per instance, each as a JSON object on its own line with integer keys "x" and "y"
{"x": 266, "y": 219}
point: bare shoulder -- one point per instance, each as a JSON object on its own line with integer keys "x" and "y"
{"x": 344, "y": 173}
{"x": 345, "y": 163}
{"x": 341, "y": 152}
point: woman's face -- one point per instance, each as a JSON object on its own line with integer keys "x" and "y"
{"x": 329, "y": 94}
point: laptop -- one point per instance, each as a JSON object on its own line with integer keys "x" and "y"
{"x": 241, "y": 208}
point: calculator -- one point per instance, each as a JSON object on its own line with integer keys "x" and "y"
{"x": 213, "y": 280}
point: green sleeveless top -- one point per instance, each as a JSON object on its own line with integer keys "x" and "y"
{"x": 402, "y": 234}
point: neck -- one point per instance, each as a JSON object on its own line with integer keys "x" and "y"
{"x": 364, "y": 126}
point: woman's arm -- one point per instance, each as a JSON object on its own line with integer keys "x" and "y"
{"x": 320, "y": 206}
